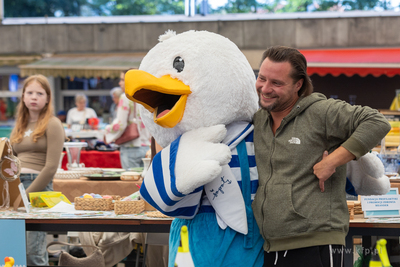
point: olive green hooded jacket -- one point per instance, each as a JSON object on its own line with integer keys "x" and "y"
{"x": 290, "y": 209}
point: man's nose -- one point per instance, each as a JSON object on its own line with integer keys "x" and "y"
{"x": 267, "y": 87}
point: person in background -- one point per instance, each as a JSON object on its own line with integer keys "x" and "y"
{"x": 62, "y": 115}
{"x": 37, "y": 140}
{"x": 80, "y": 113}
{"x": 131, "y": 152}
{"x": 3, "y": 110}
{"x": 115, "y": 93}
{"x": 302, "y": 143}
{"x": 97, "y": 106}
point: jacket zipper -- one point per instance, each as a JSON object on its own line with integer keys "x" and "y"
{"x": 265, "y": 189}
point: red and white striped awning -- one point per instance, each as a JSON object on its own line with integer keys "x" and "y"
{"x": 351, "y": 61}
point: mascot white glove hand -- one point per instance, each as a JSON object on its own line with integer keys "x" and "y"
{"x": 367, "y": 175}
{"x": 200, "y": 157}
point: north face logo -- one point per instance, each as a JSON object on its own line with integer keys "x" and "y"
{"x": 294, "y": 140}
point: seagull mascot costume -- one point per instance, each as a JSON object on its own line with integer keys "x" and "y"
{"x": 197, "y": 95}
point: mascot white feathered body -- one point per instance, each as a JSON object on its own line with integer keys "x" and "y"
{"x": 198, "y": 98}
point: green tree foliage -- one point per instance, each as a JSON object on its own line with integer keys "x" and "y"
{"x": 296, "y": 6}
{"x": 360, "y": 4}
{"x": 51, "y": 8}
{"x": 236, "y": 6}
{"x": 41, "y": 8}
{"x": 171, "y": 6}
{"x": 137, "y": 7}
{"x": 333, "y": 5}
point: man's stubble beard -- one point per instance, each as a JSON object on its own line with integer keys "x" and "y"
{"x": 268, "y": 108}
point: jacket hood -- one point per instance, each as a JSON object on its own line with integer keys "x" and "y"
{"x": 304, "y": 102}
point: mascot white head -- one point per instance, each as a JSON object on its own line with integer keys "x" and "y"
{"x": 195, "y": 79}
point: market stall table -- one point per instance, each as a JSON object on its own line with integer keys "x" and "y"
{"x": 98, "y": 159}
{"x": 141, "y": 223}
{"x": 85, "y": 134}
{"x": 61, "y": 222}
{"x": 109, "y": 222}
{"x": 367, "y": 228}
{"x": 148, "y": 225}
{"x": 395, "y": 183}
{"x": 72, "y": 188}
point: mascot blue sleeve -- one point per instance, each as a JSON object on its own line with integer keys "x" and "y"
{"x": 350, "y": 188}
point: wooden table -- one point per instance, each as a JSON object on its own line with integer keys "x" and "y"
{"x": 109, "y": 222}
{"x": 72, "y": 188}
{"x": 358, "y": 227}
{"x": 395, "y": 183}
{"x": 99, "y": 225}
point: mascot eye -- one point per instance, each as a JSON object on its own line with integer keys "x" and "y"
{"x": 179, "y": 64}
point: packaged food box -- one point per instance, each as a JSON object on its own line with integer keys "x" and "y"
{"x": 47, "y": 199}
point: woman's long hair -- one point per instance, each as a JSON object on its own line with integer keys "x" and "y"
{"x": 23, "y": 112}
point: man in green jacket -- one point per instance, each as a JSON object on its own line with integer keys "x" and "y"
{"x": 302, "y": 143}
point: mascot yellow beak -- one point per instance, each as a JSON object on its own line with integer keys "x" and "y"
{"x": 165, "y": 97}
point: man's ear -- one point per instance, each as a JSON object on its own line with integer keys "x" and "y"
{"x": 299, "y": 84}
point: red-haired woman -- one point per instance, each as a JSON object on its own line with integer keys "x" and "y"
{"x": 37, "y": 140}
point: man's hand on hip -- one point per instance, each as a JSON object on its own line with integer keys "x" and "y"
{"x": 327, "y": 166}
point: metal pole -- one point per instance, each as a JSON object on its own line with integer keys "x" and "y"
{"x": 1, "y": 10}
{"x": 187, "y": 10}
{"x": 52, "y": 89}
{"x": 204, "y": 7}
{"x": 190, "y": 8}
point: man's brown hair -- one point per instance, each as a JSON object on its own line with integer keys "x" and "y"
{"x": 296, "y": 60}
